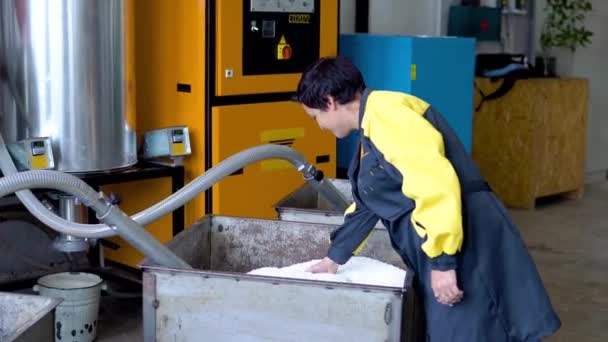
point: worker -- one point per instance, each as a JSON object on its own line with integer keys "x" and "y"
{"x": 473, "y": 272}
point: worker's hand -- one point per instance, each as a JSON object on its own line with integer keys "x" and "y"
{"x": 324, "y": 266}
{"x": 445, "y": 287}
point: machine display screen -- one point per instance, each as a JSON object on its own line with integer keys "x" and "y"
{"x": 38, "y": 148}
{"x": 177, "y": 136}
{"x": 293, "y": 6}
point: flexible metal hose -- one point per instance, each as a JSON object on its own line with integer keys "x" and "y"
{"x": 44, "y": 179}
{"x": 178, "y": 199}
{"x": 125, "y": 226}
{"x": 33, "y": 205}
{"x": 234, "y": 163}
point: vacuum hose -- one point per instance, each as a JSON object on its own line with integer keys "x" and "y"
{"x": 179, "y": 198}
{"x": 236, "y": 162}
{"x": 128, "y": 229}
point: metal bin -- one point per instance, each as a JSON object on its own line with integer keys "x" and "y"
{"x": 306, "y": 205}
{"x": 219, "y": 301}
{"x": 27, "y": 318}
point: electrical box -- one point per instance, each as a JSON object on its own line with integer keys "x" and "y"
{"x": 227, "y": 70}
{"x": 296, "y": 27}
{"x": 439, "y": 70}
{"x": 32, "y": 154}
{"x": 481, "y": 23}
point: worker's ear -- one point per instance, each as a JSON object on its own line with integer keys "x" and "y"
{"x": 331, "y": 103}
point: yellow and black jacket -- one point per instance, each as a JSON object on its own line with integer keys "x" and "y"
{"x": 402, "y": 169}
{"x": 413, "y": 173}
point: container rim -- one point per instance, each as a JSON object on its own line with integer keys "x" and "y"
{"x": 43, "y": 281}
{"x": 237, "y": 276}
{"x": 51, "y": 304}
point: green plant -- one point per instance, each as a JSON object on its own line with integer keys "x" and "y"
{"x": 564, "y": 26}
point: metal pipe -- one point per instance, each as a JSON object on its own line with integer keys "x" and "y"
{"x": 331, "y": 193}
{"x": 128, "y": 229}
{"x": 71, "y": 210}
{"x": 138, "y": 237}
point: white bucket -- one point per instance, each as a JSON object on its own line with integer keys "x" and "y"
{"x": 76, "y": 316}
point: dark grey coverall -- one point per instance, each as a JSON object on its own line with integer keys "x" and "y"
{"x": 504, "y": 297}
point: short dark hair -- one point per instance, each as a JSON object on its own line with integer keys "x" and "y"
{"x": 329, "y": 76}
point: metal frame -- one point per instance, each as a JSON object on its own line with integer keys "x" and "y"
{"x": 211, "y": 282}
{"x": 150, "y": 304}
{"x": 398, "y": 310}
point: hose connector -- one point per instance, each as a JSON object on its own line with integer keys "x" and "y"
{"x": 310, "y": 172}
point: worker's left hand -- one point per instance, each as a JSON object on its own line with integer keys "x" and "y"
{"x": 445, "y": 287}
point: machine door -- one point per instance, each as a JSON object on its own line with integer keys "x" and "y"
{"x": 252, "y": 191}
{"x": 263, "y": 46}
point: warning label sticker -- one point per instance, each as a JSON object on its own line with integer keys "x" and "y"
{"x": 284, "y": 51}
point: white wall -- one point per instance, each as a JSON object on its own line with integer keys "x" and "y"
{"x": 412, "y": 17}
{"x": 590, "y": 63}
{"x": 347, "y": 16}
{"x": 428, "y": 17}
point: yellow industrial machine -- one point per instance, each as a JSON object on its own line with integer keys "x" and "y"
{"x": 227, "y": 69}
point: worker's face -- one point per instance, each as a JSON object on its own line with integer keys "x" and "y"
{"x": 334, "y": 118}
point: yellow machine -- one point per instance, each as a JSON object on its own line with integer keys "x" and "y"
{"x": 227, "y": 69}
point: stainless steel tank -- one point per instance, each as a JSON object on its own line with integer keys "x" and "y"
{"x": 64, "y": 67}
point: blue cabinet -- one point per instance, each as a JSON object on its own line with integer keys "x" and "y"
{"x": 439, "y": 70}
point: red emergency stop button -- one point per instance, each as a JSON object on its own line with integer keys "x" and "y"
{"x": 287, "y": 52}
{"x": 484, "y": 25}
{"x": 284, "y": 51}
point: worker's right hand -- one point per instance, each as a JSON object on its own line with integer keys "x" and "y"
{"x": 324, "y": 266}
{"x": 445, "y": 287}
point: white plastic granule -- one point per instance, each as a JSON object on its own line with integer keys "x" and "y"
{"x": 358, "y": 270}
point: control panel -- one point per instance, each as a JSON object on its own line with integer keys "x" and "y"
{"x": 32, "y": 154}
{"x": 280, "y": 36}
{"x": 169, "y": 142}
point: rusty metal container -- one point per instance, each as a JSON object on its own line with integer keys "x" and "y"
{"x": 219, "y": 301}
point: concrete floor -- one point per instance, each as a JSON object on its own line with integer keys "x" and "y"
{"x": 568, "y": 240}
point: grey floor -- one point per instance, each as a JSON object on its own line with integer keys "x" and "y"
{"x": 568, "y": 240}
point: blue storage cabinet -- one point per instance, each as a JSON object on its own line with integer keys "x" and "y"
{"x": 439, "y": 70}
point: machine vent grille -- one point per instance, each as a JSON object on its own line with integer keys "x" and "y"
{"x": 284, "y": 142}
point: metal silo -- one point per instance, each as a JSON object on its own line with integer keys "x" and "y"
{"x": 64, "y": 67}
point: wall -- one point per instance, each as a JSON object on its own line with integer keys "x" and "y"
{"x": 590, "y": 63}
{"x": 412, "y": 17}
{"x": 347, "y": 16}
{"x": 429, "y": 17}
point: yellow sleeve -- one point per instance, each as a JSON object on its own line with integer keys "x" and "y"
{"x": 412, "y": 145}
{"x": 351, "y": 209}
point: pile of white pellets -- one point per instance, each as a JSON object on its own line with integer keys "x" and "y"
{"x": 358, "y": 270}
